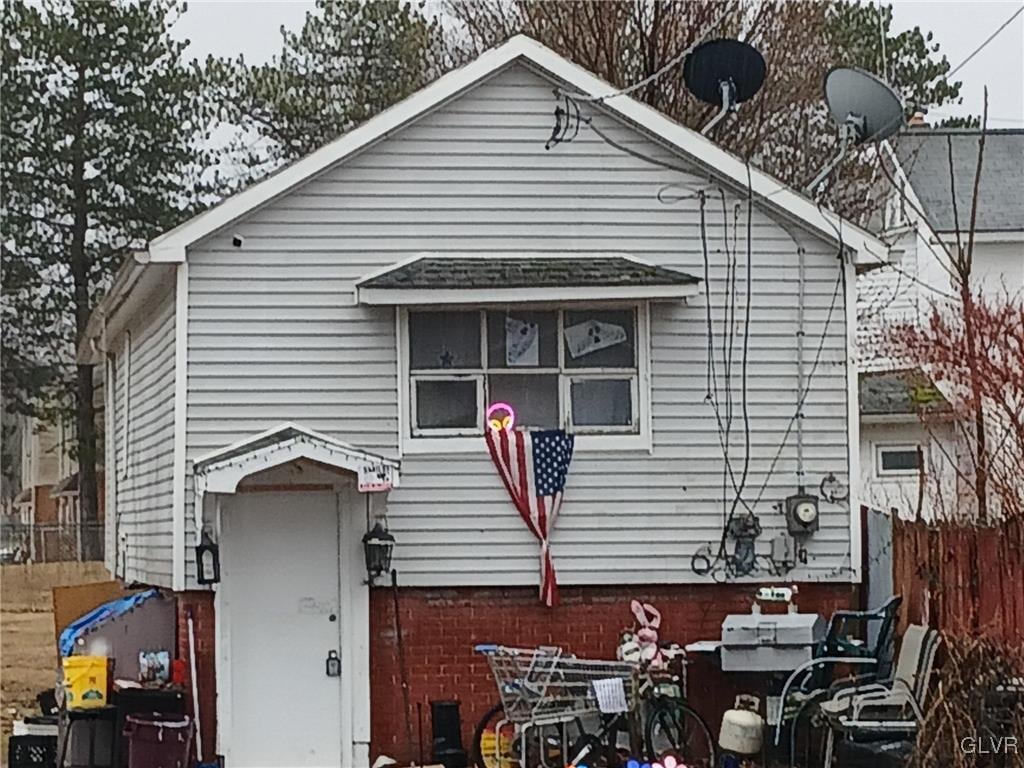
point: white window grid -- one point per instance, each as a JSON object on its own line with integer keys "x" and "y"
{"x": 566, "y": 375}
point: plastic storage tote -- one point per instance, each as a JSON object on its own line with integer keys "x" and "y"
{"x": 158, "y": 741}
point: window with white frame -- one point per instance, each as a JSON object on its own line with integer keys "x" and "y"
{"x": 576, "y": 369}
{"x": 897, "y": 460}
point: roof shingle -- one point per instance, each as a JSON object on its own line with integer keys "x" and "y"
{"x": 526, "y": 272}
{"x": 924, "y": 155}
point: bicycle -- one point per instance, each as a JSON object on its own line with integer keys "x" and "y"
{"x": 548, "y": 700}
{"x": 537, "y": 724}
{"x": 671, "y": 725}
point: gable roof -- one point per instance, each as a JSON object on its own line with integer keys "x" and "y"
{"x": 221, "y": 470}
{"x": 924, "y": 155}
{"x": 172, "y": 245}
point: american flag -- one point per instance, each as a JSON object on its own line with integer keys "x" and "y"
{"x": 533, "y": 467}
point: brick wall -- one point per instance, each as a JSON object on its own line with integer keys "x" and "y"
{"x": 201, "y": 605}
{"x": 441, "y": 626}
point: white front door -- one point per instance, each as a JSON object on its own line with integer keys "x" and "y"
{"x": 280, "y": 614}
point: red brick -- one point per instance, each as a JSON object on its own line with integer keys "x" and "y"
{"x": 201, "y": 605}
{"x": 441, "y": 626}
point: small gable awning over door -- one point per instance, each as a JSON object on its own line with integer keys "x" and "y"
{"x": 475, "y": 279}
{"x": 222, "y": 470}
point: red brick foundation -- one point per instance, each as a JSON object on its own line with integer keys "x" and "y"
{"x": 441, "y": 626}
{"x": 201, "y": 606}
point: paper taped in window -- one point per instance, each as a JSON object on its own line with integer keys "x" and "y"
{"x": 590, "y": 336}
{"x": 521, "y": 346}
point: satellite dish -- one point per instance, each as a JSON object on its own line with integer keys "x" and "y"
{"x": 725, "y": 72}
{"x": 864, "y": 107}
{"x": 864, "y": 100}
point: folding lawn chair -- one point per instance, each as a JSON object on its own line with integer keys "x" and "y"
{"x": 878, "y": 710}
{"x": 811, "y": 682}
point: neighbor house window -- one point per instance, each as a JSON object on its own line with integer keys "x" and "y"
{"x": 897, "y": 460}
{"x": 574, "y": 369}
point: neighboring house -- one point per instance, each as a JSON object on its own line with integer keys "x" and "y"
{"x": 41, "y": 512}
{"x": 316, "y": 354}
{"x": 923, "y": 217}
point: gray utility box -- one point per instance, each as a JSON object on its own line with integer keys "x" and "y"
{"x": 756, "y": 642}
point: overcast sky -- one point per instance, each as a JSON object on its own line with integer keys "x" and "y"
{"x": 232, "y": 27}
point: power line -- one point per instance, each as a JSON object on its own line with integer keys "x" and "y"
{"x": 988, "y": 40}
{"x": 670, "y": 64}
{"x": 1013, "y": 120}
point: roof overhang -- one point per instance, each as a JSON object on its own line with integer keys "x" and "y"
{"x": 66, "y": 487}
{"x": 473, "y": 278}
{"x": 478, "y": 296}
{"x": 222, "y": 470}
{"x": 980, "y": 236}
{"x": 136, "y": 283}
{"x": 702, "y": 152}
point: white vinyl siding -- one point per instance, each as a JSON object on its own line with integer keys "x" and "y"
{"x": 144, "y": 446}
{"x": 274, "y": 335}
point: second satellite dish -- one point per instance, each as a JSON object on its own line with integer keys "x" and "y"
{"x": 864, "y": 107}
{"x": 724, "y": 72}
{"x": 863, "y": 101}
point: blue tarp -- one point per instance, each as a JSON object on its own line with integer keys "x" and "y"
{"x": 100, "y": 615}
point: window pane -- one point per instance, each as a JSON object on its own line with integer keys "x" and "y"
{"x": 533, "y": 398}
{"x": 446, "y": 404}
{"x": 899, "y": 460}
{"x": 444, "y": 340}
{"x": 522, "y": 339}
{"x": 602, "y": 402}
{"x": 600, "y": 339}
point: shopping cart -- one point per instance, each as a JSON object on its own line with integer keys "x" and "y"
{"x": 546, "y": 688}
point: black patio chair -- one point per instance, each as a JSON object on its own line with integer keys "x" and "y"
{"x": 812, "y": 682}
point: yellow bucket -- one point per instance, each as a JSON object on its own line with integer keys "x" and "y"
{"x": 85, "y": 681}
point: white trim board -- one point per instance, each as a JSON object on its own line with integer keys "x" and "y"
{"x": 171, "y": 246}
{"x": 853, "y": 421}
{"x": 557, "y": 294}
{"x": 457, "y": 444}
{"x": 178, "y": 526}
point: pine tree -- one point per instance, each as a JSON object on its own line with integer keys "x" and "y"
{"x": 861, "y": 36}
{"x": 101, "y": 126}
{"x": 351, "y": 60}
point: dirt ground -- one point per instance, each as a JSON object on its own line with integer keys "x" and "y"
{"x": 28, "y": 649}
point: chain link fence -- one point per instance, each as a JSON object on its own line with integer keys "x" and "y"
{"x": 49, "y": 542}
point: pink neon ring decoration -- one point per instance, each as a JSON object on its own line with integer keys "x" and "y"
{"x": 508, "y": 422}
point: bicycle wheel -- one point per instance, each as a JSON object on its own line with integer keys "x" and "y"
{"x": 495, "y": 747}
{"x": 596, "y": 749}
{"x": 498, "y": 744}
{"x": 674, "y": 728}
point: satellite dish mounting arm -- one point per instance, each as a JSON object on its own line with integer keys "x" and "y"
{"x": 728, "y": 105}
{"x": 850, "y": 132}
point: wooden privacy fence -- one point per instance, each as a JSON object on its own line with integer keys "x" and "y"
{"x": 961, "y": 579}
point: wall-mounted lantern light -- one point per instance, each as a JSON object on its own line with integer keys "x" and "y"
{"x": 207, "y": 562}
{"x": 377, "y": 547}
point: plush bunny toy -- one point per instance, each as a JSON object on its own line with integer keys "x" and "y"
{"x": 648, "y": 620}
